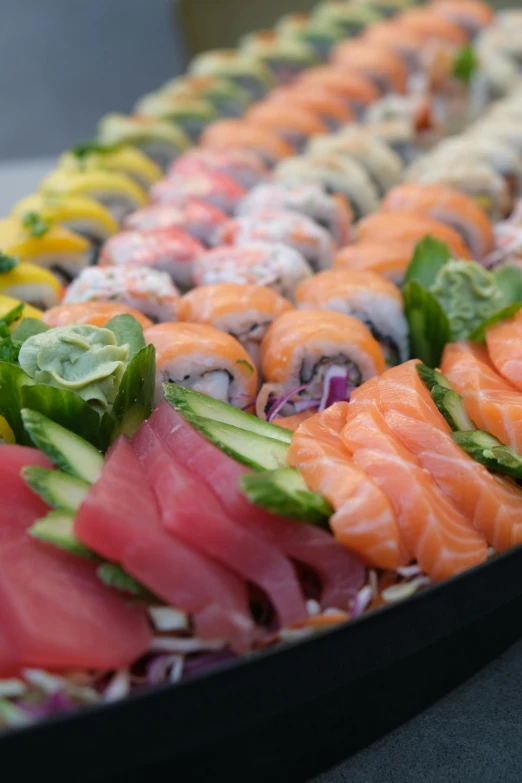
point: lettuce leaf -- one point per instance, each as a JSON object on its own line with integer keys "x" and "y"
{"x": 428, "y": 324}
{"x": 428, "y": 259}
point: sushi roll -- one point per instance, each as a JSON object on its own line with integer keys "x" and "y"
{"x": 329, "y": 108}
{"x": 389, "y": 259}
{"x": 239, "y": 134}
{"x": 164, "y": 250}
{"x": 428, "y": 22}
{"x": 116, "y": 192}
{"x": 383, "y": 166}
{"x": 284, "y": 58}
{"x": 504, "y": 130}
{"x": 391, "y": 36}
{"x": 213, "y": 188}
{"x": 357, "y": 90}
{"x": 242, "y": 165}
{"x": 245, "y": 311}
{"x": 410, "y": 227}
{"x": 320, "y": 34}
{"x": 451, "y": 207}
{"x": 227, "y": 98}
{"x": 93, "y": 313}
{"x": 313, "y": 358}
{"x": 506, "y": 39}
{"x": 121, "y": 158}
{"x": 205, "y": 359}
{"x": 241, "y": 68}
{"x": 159, "y": 140}
{"x": 147, "y": 290}
{"x": 337, "y": 175}
{"x": 350, "y": 17}
{"x": 388, "y": 8}
{"x": 259, "y": 263}
{"x": 50, "y": 246}
{"x": 294, "y": 124}
{"x": 367, "y": 296}
{"x": 80, "y": 214}
{"x": 191, "y": 215}
{"x": 280, "y": 225}
{"x": 399, "y": 135}
{"x": 383, "y": 66}
{"x": 472, "y": 15}
{"x": 476, "y": 179}
{"x": 332, "y": 212}
{"x": 31, "y": 284}
{"x": 506, "y": 161}
{"x": 192, "y": 115}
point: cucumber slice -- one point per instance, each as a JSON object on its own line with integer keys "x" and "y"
{"x": 284, "y": 492}
{"x": 113, "y": 575}
{"x": 249, "y": 448}
{"x": 189, "y": 402}
{"x": 58, "y": 489}
{"x": 489, "y": 451}
{"x": 57, "y": 528}
{"x": 66, "y": 450}
{"x": 452, "y": 408}
{"x": 431, "y": 377}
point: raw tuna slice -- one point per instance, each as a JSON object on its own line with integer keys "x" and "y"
{"x": 120, "y": 520}
{"x": 341, "y": 574}
{"x": 53, "y": 608}
{"x": 190, "y": 509}
{"x": 8, "y": 658}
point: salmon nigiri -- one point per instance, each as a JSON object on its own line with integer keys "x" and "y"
{"x": 364, "y": 520}
{"x": 449, "y": 206}
{"x": 357, "y": 90}
{"x": 383, "y": 66}
{"x": 438, "y": 536}
{"x": 493, "y": 505}
{"x": 504, "y": 341}
{"x": 94, "y": 313}
{"x": 390, "y": 259}
{"x": 294, "y": 124}
{"x": 229, "y": 134}
{"x": 402, "y": 226}
{"x": 491, "y": 402}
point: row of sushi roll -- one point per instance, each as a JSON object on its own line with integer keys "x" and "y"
{"x": 228, "y": 259}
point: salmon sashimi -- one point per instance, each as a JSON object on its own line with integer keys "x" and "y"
{"x": 202, "y": 358}
{"x": 339, "y": 572}
{"x": 448, "y": 206}
{"x": 504, "y": 341}
{"x": 382, "y": 65}
{"x": 230, "y": 134}
{"x": 491, "y": 402}
{"x": 409, "y": 226}
{"x": 357, "y": 90}
{"x": 390, "y": 259}
{"x": 491, "y": 503}
{"x": 364, "y": 520}
{"x": 294, "y": 124}
{"x": 434, "y": 532}
{"x": 93, "y": 313}
{"x": 129, "y": 531}
{"x": 191, "y": 511}
{"x": 292, "y": 423}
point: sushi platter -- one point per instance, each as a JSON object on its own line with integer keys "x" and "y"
{"x": 261, "y": 391}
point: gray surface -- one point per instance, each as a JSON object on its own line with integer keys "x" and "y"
{"x": 474, "y": 735}
{"x": 67, "y": 62}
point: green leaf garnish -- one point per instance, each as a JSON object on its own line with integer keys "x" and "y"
{"x": 465, "y": 64}
{"x": 428, "y": 324}
{"x": 65, "y": 408}
{"x": 13, "y": 315}
{"x": 13, "y": 381}
{"x": 35, "y": 224}
{"x": 28, "y": 327}
{"x": 428, "y": 259}
{"x": 135, "y": 399}
{"x": 509, "y": 282}
{"x": 248, "y": 366}
{"x": 127, "y": 331}
{"x": 7, "y": 263}
{"x": 479, "y": 334}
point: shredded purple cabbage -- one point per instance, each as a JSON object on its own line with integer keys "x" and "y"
{"x": 281, "y": 401}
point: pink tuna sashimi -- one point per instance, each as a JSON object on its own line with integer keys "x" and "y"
{"x": 53, "y": 608}
{"x": 190, "y": 509}
{"x": 120, "y": 520}
{"x": 340, "y": 572}
{"x": 8, "y": 658}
